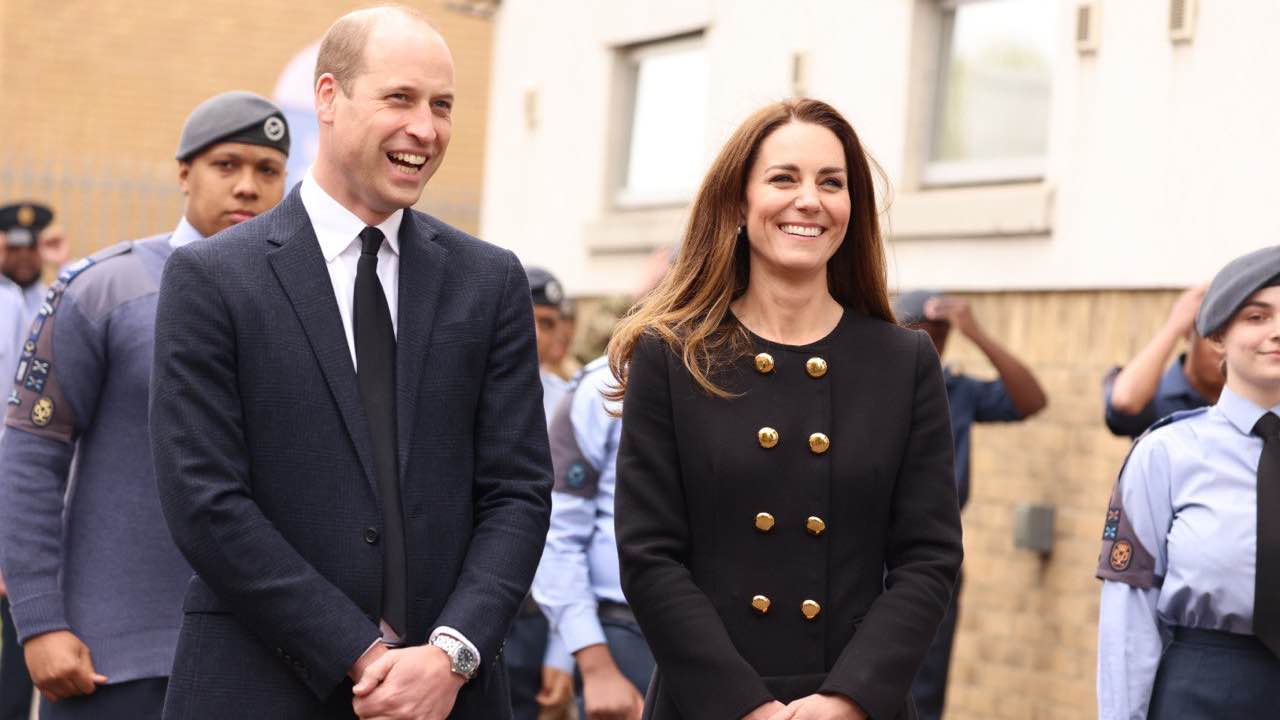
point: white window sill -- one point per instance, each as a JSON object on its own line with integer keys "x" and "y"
{"x": 978, "y": 211}
{"x": 636, "y": 230}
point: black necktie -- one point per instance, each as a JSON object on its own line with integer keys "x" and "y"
{"x": 376, "y": 375}
{"x": 1266, "y": 593}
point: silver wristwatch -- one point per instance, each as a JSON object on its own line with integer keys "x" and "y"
{"x": 465, "y": 662}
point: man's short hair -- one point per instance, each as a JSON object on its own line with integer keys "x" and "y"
{"x": 342, "y": 48}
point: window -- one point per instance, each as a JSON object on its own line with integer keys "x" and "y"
{"x": 991, "y": 108}
{"x": 664, "y": 152}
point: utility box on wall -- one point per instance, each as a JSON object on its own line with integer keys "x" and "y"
{"x": 1033, "y": 527}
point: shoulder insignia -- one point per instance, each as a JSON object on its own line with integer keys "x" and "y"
{"x": 572, "y": 473}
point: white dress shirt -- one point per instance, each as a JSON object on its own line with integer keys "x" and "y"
{"x": 337, "y": 230}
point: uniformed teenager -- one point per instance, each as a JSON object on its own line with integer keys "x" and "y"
{"x": 539, "y": 666}
{"x": 1013, "y": 396}
{"x": 95, "y": 580}
{"x": 1145, "y": 390}
{"x": 787, "y": 521}
{"x": 577, "y": 583}
{"x": 1189, "y": 624}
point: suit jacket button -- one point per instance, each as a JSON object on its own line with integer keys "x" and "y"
{"x": 810, "y": 609}
{"x": 761, "y": 604}
{"x": 764, "y": 522}
{"x": 815, "y": 525}
{"x": 764, "y": 363}
{"x": 767, "y": 436}
{"x": 819, "y": 443}
{"x": 816, "y": 367}
{"x": 371, "y": 536}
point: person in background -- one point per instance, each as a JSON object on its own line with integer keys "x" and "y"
{"x": 96, "y": 581}
{"x": 1189, "y": 614}
{"x": 1145, "y": 390}
{"x": 567, "y": 365}
{"x": 1014, "y": 396}
{"x": 32, "y": 244}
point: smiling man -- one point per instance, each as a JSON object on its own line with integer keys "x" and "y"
{"x": 94, "y": 578}
{"x": 347, "y": 422}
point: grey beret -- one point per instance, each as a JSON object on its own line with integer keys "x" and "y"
{"x": 1233, "y": 285}
{"x": 909, "y": 306}
{"x": 544, "y": 287}
{"x": 235, "y": 116}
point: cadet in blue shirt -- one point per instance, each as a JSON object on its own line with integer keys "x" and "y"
{"x": 577, "y": 583}
{"x": 1189, "y": 623}
{"x": 1014, "y": 396}
{"x": 95, "y": 579}
{"x": 1143, "y": 391}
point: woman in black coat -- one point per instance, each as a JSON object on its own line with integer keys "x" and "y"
{"x": 786, "y": 510}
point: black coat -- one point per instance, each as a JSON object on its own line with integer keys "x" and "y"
{"x": 693, "y": 477}
{"x": 264, "y": 462}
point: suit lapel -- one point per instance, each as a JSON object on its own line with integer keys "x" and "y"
{"x": 422, "y": 273}
{"x": 298, "y": 264}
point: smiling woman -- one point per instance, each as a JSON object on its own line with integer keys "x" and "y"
{"x": 777, "y": 424}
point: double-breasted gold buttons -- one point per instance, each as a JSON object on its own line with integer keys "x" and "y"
{"x": 815, "y": 525}
{"x": 764, "y": 522}
{"x": 810, "y": 609}
{"x": 819, "y": 443}
{"x": 767, "y": 436}
{"x": 761, "y": 604}
{"x": 816, "y": 367}
{"x": 764, "y": 363}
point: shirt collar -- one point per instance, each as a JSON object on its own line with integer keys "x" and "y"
{"x": 184, "y": 234}
{"x": 1240, "y": 412}
{"x": 335, "y": 226}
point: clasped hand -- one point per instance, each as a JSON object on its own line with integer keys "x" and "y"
{"x": 810, "y": 707}
{"x": 414, "y": 683}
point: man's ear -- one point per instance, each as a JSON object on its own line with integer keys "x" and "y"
{"x": 327, "y": 90}
{"x": 184, "y": 172}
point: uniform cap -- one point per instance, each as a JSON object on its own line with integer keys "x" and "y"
{"x": 1233, "y": 285}
{"x": 544, "y": 287}
{"x": 22, "y": 222}
{"x": 235, "y": 116}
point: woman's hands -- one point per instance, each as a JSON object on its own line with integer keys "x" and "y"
{"x": 818, "y": 707}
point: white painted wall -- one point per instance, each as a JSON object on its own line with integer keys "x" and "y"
{"x": 1162, "y": 161}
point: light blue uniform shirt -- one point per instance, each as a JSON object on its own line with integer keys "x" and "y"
{"x": 1185, "y": 510}
{"x": 13, "y": 325}
{"x": 553, "y": 389}
{"x": 579, "y": 565}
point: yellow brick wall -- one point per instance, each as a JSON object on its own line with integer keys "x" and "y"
{"x": 96, "y": 91}
{"x": 1027, "y": 638}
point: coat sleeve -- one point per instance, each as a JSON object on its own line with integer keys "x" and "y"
{"x": 687, "y": 637}
{"x": 922, "y": 557}
{"x": 203, "y": 476}
{"x": 512, "y": 486}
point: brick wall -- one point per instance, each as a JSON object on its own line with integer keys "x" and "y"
{"x": 1027, "y": 639}
{"x": 94, "y": 95}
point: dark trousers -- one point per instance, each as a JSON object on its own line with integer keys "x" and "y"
{"x": 135, "y": 700}
{"x": 629, "y": 650}
{"x": 15, "y": 684}
{"x": 1209, "y": 675}
{"x": 930, "y": 687}
{"x": 525, "y": 649}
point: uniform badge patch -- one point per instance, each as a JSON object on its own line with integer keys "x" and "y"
{"x": 42, "y": 412}
{"x": 273, "y": 128}
{"x": 37, "y": 374}
{"x": 1113, "y": 524}
{"x": 14, "y": 398}
{"x": 26, "y": 215}
{"x": 1121, "y": 555}
{"x": 576, "y": 477}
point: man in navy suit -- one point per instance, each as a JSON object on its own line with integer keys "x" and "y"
{"x": 347, "y": 423}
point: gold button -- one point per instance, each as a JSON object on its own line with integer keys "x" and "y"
{"x": 814, "y": 525}
{"x": 761, "y": 604}
{"x": 764, "y": 363}
{"x": 810, "y": 609}
{"x": 818, "y": 443}
{"x": 764, "y": 522}
{"x": 816, "y": 367}
{"x": 768, "y": 437}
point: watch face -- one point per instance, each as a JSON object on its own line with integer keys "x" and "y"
{"x": 466, "y": 660}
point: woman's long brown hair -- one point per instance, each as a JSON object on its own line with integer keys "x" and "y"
{"x": 687, "y": 309}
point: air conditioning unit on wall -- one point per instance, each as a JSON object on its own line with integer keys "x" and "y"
{"x": 1182, "y": 20}
{"x": 1087, "y": 27}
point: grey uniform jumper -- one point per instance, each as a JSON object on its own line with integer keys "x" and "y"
{"x": 84, "y": 544}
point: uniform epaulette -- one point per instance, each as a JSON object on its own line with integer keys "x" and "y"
{"x": 1162, "y": 422}
{"x": 69, "y": 273}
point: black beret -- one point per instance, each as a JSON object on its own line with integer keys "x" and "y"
{"x": 544, "y": 287}
{"x": 22, "y": 222}
{"x": 235, "y": 116}
{"x": 909, "y": 306}
{"x": 1233, "y": 285}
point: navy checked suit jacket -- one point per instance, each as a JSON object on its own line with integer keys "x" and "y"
{"x": 265, "y": 469}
